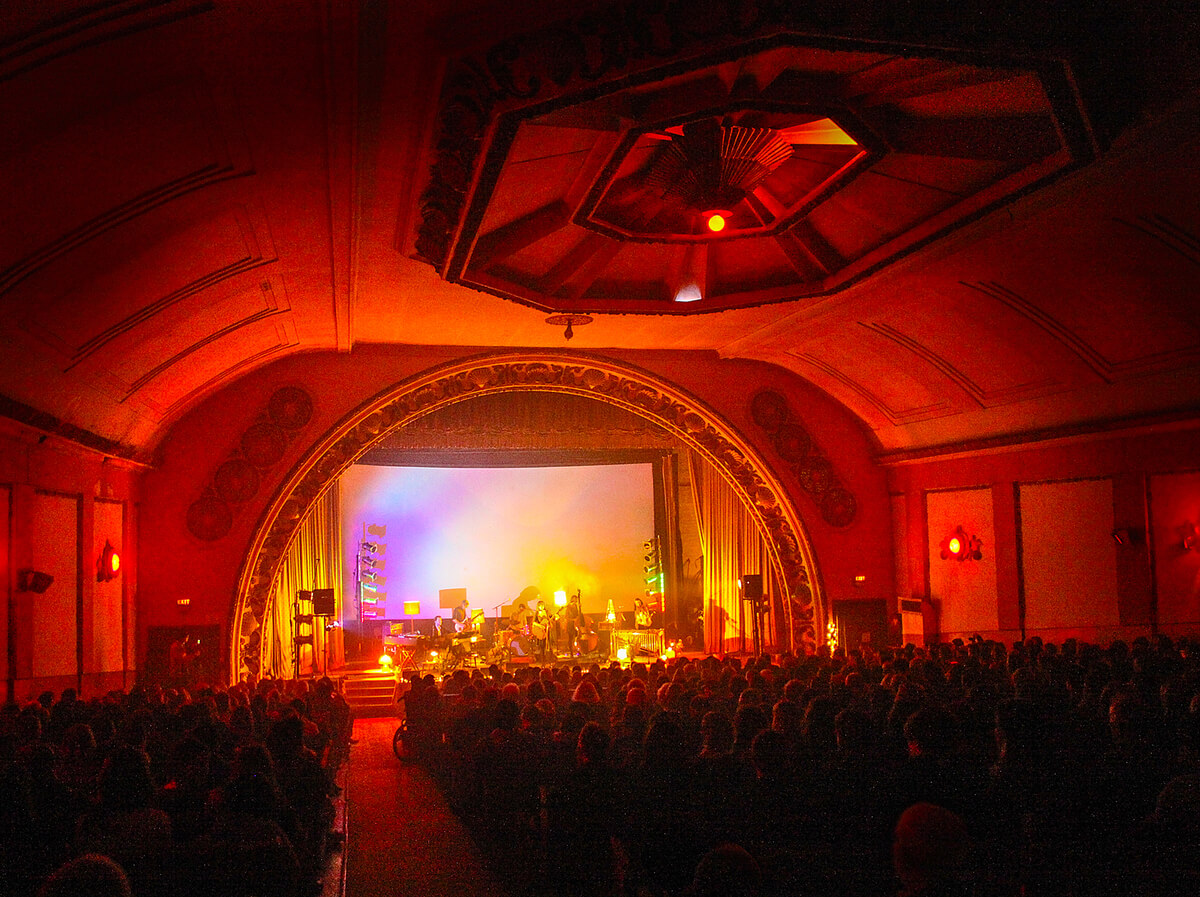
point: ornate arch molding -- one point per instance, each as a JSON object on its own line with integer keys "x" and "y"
{"x": 625, "y": 386}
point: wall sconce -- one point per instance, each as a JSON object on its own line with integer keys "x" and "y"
{"x": 108, "y": 565}
{"x": 961, "y": 547}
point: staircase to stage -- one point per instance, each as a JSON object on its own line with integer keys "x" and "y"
{"x": 368, "y": 690}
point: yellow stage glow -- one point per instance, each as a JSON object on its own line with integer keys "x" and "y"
{"x": 560, "y": 598}
{"x": 716, "y": 223}
{"x": 385, "y": 660}
{"x": 622, "y": 654}
{"x": 433, "y": 654}
{"x": 955, "y": 546}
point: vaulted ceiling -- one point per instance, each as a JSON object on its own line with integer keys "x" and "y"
{"x": 978, "y": 224}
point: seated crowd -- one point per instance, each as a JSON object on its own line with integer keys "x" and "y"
{"x": 162, "y": 792}
{"x": 966, "y": 768}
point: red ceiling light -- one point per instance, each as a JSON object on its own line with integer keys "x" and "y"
{"x": 108, "y": 565}
{"x": 961, "y": 547}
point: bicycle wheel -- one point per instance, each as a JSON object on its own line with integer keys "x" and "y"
{"x": 400, "y": 742}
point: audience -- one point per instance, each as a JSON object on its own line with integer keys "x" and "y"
{"x": 962, "y": 768}
{"x": 165, "y": 792}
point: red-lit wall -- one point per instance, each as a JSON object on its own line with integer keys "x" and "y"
{"x": 1082, "y": 538}
{"x": 175, "y": 563}
{"x": 60, "y": 503}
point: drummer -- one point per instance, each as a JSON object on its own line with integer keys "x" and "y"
{"x": 518, "y": 618}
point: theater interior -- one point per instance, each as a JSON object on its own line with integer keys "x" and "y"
{"x": 897, "y": 305}
{"x": 817, "y": 328}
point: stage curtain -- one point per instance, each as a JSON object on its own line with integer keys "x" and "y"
{"x": 732, "y": 547}
{"x": 313, "y": 561}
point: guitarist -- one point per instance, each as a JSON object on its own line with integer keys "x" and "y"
{"x": 539, "y": 628}
{"x": 462, "y": 616}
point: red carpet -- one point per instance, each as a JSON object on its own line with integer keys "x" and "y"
{"x": 402, "y": 838}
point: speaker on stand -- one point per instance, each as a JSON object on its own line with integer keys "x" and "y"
{"x": 752, "y": 592}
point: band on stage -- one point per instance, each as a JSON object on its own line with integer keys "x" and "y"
{"x": 533, "y": 631}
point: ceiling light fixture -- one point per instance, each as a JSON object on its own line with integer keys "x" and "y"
{"x": 570, "y": 322}
{"x": 715, "y": 219}
{"x": 713, "y": 165}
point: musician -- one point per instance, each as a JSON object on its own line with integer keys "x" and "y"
{"x": 574, "y": 620}
{"x": 437, "y": 628}
{"x": 518, "y": 617}
{"x": 540, "y": 627}
{"x": 641, "y": 614}
{"x": 462, "y": 616}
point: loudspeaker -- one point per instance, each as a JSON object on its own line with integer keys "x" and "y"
{"x": 752, "y": 585}
{"x": 33, "y": 581}
{"x": 323, "y": 603}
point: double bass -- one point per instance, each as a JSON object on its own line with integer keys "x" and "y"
{"x": 586, "y": 639}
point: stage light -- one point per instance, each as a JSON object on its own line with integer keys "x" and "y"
{"x": 716, "y": 222}
{"x": 560, "y": 598}
{"x": 689, "y": 292}
{"x": 372, "y": 600}
{"x": 622, "y": 654}
{"x": 108, "y": 565}
{"x": 433, "y": 654}
{"x": 385, "y": 660}
{"x": 961, "y": 547}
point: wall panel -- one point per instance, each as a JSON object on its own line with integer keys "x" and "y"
{"x": 1068, "y": 556}
{"x": 6, "y": 578}
{"x": 963, "y": 591}
{"x": 900, "y": 545}
{"x": 1174, "y": 511}
{"x": 54, "y": 542}
{"x": 103, "y": 652}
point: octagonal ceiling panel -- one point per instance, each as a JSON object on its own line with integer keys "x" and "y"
{"x": 579, "y": 191}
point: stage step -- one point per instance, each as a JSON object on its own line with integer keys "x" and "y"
{"x": 370, "y": 694}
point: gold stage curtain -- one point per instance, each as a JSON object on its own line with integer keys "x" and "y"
{"x": 313, "y": 561}
{"x": 732, "y": 547}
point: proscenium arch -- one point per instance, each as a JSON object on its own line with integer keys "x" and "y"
{"x": 625, "y": 386}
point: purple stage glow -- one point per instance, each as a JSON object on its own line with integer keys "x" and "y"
{"x": 496, "y": 531}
